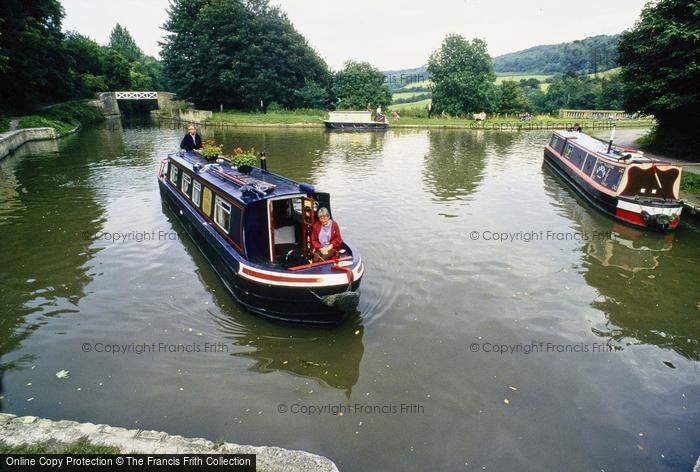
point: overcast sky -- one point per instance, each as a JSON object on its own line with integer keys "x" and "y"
{"x": 410, "y": 29}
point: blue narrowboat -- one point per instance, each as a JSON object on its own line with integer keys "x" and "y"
{"x": 254, "y": 227}
{"x": 622, "y": 183}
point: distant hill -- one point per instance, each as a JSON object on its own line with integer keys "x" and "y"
{"x": 585, "y": 56}
{"x": 397, "y": 79}
{"x": 594, "y": 54}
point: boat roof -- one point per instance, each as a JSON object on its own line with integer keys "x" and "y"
{"x": 599, "y": 147}
{"x": 246, "y": 187}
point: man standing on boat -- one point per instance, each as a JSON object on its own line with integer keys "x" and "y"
{"x": 325, "y": 236}
{"x": 192, "y": 140}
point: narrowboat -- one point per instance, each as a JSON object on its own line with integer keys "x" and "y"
{"x": 254, "y": 227}
{"x": 355, "y": 121}
{"x": 622, "y": 183}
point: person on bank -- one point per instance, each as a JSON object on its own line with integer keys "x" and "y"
{"x": 192, "y": 140}
{"x": 325, "y": 237}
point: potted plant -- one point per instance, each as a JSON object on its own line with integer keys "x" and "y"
{"x": 211, "y": 151}
{"x": 243, "y": 160}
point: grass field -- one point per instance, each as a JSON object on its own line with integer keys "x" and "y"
{"x": 405, "y": 95}
{"x": 305, "y": 116}
{"x": 408, "y": 106}
{"x": 606, "y": 72}
{"x": 415, "y": 115}
{"x": 518, "y": 77}
{"x": 412, "y": 85}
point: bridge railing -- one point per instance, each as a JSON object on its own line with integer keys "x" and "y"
{"x": 595, "y": 114}
{"x": 136, "y": 95}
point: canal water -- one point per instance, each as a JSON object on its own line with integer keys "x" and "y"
{"x": 502, "y": 325}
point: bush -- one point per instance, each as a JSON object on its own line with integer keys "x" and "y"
{"x": 274, "y": 107}
{"x": 75, "y": 111}
{"x": 64, "y": 117}
{"x": 690, "y": 183}
{"x": 35, "y": 121}
{"x": 4, "y": 124}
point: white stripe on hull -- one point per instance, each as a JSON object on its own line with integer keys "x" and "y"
{"x": 322, "y": 280}
{"x": 638, "y": 208}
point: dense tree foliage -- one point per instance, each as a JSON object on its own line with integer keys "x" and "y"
{"x": 590, "y": 55}
{"x": 39, "y": 64}
{"x": 660, "y": 59}
{"x": 121, "y": 41}
{"x": 32, "y": 58}
{"x": 358, "y": 84}
{"x": 510, "y": 99}
{"x": 463, "y": 77}
{"x": 240, "y": 53}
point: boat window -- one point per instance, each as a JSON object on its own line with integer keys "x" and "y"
{"x": 173, "y": 173}
{"x": 186, "y": 184}
{"x": 222, "y": 214}
{"x": 553, "y": 142}
{"x": 569, "y": 148}
{"x": 197, "y": 193}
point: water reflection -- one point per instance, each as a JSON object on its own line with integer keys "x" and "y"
{"x": 330, "y": 356}
{"x": 48, "y": 208}
{"x": 454, "y": 163}
{"x": 637, "y": 275}
{"x": 293, "y": 152}
{"x": 354, "y": 146}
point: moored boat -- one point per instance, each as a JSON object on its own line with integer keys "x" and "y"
{"x": 620, "y": 182}
{"x": 355, "y": 121}
{"x": 254, "y": 227}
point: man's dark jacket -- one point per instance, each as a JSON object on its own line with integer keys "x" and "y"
{"x": 188, "y": 144}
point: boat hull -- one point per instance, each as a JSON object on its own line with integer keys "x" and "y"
{"x": 650, "y": 215}
{"x": 339, "y": 126}
{"x": 317, "y": 305}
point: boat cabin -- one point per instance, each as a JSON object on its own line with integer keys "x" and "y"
{"x": 626, "y": 172}
{"x": 267, "y": 218}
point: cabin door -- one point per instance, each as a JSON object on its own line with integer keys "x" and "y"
{"x": 308, "y": 217}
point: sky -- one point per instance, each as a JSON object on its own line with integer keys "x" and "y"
{"x": 389, "y": 34}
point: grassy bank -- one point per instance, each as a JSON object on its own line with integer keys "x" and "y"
{"x": 304, "y": 116}
{"x": 79, "y": 447}
{"x": 690, "y": 183}
{"x": 64, "y": 117}
{"x": 4, "y": 124}
{"x": 415, "y": 118}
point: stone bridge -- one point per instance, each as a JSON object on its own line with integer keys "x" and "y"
{"x": 108, "y": 101}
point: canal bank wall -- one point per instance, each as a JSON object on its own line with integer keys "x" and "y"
{"x": 17, "y": 431}
{"x": 10, "y": 141}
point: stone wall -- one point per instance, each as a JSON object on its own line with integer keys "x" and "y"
{"x": 15, "y": 431}
{"x": 12, "y": 140}
{"x": 195, "y": 116}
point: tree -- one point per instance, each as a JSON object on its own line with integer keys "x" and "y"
{"x": 117, "y": 71}
{"x": 121, "y": 41}
{"x": 510, "y": 98}
{"x": 660, "y": 60}
{"x": 572, "y": 91}
{"x": 33, "y": 63}
{"x": 611, "y": 93}
{"x": 240, "y": 53}
{"x": 358, "y": 84}
{"x": 87, "y": 64}
{"x": 463, "y": 77}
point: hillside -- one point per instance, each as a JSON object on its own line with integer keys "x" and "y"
{"x": 597, "y": 53}
{"x": 594, "y": 54}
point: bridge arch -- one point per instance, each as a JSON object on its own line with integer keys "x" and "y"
{"x": 110, "y": 105}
